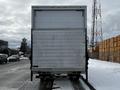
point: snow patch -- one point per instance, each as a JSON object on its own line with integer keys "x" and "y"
{"x": 104, "y": 75}
{"x": 6, "y": 88}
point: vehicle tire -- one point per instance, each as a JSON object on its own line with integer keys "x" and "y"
{"x": 31, "y": 78}
{"x": 2, "y": 62}
{"x": 6, "y": 61}
{"x": 74, "y": 76}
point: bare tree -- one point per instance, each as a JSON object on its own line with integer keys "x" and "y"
{"x": 23, "y": 46}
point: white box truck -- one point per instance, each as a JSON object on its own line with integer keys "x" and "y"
{"x": 59, "y": 40}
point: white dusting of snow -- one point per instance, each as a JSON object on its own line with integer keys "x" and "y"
{"x": 17, "y": 68}
{"x": 62, "y": 84}
{"x": 104, "y": 75}
{"x": 5, "y": 88}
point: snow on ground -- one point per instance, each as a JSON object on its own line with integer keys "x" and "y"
{"x": 104, "y": 75}
{"x": 24, "y": 58}
{"x": 62, "y": 84}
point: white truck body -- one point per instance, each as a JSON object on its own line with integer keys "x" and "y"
{"x": 59, "y": 39}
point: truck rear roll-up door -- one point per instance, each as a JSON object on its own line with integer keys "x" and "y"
{"x": 59, "y": 48}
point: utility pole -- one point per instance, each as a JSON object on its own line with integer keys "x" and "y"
{"x": 96, "y": 29}
{"x": 93, "y": 23}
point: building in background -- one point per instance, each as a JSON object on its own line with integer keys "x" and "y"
{"x": 4, "y": 47}
{"x": 3, "y": 44}
{"x": 107, "y": 50}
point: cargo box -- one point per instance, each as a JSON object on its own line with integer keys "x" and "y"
{"x": 59, "y": 39}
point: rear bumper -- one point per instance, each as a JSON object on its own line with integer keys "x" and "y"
{"x": 57, "y": 70}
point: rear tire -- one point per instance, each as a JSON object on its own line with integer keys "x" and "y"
{"x": 31, "y": 78}
{"x": 5, "y": 61}
{"x": 74, "y": 76}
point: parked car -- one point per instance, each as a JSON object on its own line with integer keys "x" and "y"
{"x": 13, "y": 58}
{"x": 3, "y": 58}
{"x": 23, "y": 58}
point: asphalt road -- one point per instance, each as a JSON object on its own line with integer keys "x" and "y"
{"x": 13, "y": 75}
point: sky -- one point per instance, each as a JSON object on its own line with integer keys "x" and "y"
{"x": 15, "y": 18}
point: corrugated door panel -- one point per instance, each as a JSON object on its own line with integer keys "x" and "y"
{"x": 59, "y": 48}
{"x": 59, "y": 19}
